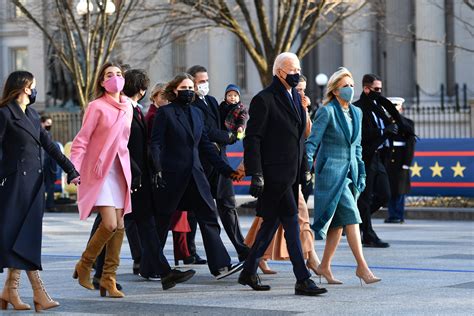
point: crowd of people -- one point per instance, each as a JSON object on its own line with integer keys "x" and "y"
{"x": 168, "y": 170}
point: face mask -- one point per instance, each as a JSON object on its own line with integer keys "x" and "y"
{"x": 292, "y": 79}
{"x": 143, "y": 96}
{"x": 32, "y": 96}
{"x": 203, "y": 88}
{"x": 48, "y": 128}
{"x": 374, "y": 95}
{"x": 185, "y": 96}
{"x": 114, "y": 84}
{"x": 346, "y": 93}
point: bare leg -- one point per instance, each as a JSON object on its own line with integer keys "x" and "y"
{"x": 353, "y": 238}
{"x": 332, "y": 241}
{"x": 109, "y": 217}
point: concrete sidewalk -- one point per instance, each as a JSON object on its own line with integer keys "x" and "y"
{"x": 428, "y": 270}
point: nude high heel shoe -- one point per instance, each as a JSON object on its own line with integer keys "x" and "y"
{"x": 265, "y": 268}
{"x": 327, "y": 276}
{"x": 368, "y": 277}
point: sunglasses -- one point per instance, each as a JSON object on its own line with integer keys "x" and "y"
{"x": 376, "y": 89}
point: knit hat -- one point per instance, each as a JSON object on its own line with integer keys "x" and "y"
{"x": 232, "y": 87}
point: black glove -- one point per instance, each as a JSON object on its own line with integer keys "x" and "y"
{"x": 391, "y": 129}
{"x": 136, "y": 183}
{"x": 158, "y": 181}
{"x": 71, "y": 175}
{"x": 307, "y": 178}
{"x": 232, "y": 138}
{"x": 256, "y": 185}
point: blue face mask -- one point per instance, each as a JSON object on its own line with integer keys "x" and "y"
{"x": 346, "y": 93}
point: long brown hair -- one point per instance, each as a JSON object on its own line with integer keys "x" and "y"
{"x": 16, "y": 82}
{"x": 173, "y": 84}
{"x": 98, "y": 89}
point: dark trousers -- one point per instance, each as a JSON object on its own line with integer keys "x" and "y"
{"x": 192, "y": 201}
{"x": 293, "y": 243}
{"x": 396, "y": 207}
{"x": 191, "y": 236}
{"x": 375, "y": 195}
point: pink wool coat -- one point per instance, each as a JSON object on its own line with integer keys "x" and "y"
{"x": 104, "y": 135}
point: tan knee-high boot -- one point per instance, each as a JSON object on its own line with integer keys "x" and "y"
{"x": 10, "y": 291}
{"x": 41, "y": 298}
{"x": 111, "y": 263}
{"x": 93, "y": 249}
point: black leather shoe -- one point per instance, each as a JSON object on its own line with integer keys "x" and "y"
{"x": 375, "y": 244}
{"x": 136, "y": 267}
{"x": 243, "y": 256}
{"x": 253, "y": 280}
{"x": 199, "y": 260}
{"x": 174, "y": 277}
{"x": 96, "y": 284}
{"x": 393, "y": 221}
{"x": 308, "y": 288}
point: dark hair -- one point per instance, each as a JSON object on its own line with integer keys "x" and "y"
{"x": 368, "y": 79}
{"x": 195, "y": 69}
{"x": 303, "y": 78}
{"x": 173, "y": 84}
{"x": 135, "y": 80}
{"x": 45, "y": 117}
{"x": 98, "y": 89}
{"x": 16, "y": 82}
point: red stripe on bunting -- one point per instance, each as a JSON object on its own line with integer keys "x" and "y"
{"x": 242, "y": 183}
{"x": 444, "y": 153}
{"x": 443, "y": 184}
{"x": 235, "y": 154}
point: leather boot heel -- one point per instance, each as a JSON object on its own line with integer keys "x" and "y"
{"x": 103, "y": 291}
{"x": 75, "y": 275}
{"x": 4, "y": 304}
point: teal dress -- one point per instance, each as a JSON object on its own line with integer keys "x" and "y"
{"x": 339, "y": 169}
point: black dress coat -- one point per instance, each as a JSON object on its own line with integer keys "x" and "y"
{"x": 21, "y": 186}
{"x": 274, "y": 146}
{"x": 221, "y": 187}
{"x": 175, "y": 148}
{"x": 142, "y": 194}
{"x": 399, "y": 156}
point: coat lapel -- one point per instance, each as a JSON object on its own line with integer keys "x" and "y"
{"x": 23, "y": 120}
{"x": 341, "y": 120}
{"x": 183, "y": 120}
{"x": 355, "y": 123}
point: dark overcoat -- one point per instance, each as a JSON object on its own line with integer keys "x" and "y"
{"x": 274, "y": 146}
{"x": 21, "y": 186}
{"x": 218, "y": 136}
{"x": 175, "y": 147}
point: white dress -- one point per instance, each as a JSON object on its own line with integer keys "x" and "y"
{"x": 114, "y": 189}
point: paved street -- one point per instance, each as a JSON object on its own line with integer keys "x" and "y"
{"x": 428, "y": 270}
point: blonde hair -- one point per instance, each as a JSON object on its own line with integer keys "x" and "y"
{"x": 280, "y": 59}
{"x": 333, "y": 83}
{"x": 159, "y": 88}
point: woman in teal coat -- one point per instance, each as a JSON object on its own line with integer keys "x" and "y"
{"x": 339, "y": 174}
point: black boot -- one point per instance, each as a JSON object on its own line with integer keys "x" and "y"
{"x": 252, "y": 280}
{"x": 175, "y": 276}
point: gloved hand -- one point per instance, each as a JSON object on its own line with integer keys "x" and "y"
{"x": 391, "y": 129}
{"x": 158, "y": 180}
{"x": 361, "y": 183}
{"x": 136, "y": 183}
{"x": 232, "y": 138}
{"x": 256, "y": 185}
{"x": 307, "y": 178}
{"x": 73, "y": 177}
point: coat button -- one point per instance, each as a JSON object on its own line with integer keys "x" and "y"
{"x": 39, "y": 170}
{"x": 24, "y": 173}
{"x": 393, "y": 160}
{"x": 22, "y": 160}
{"x": 39, "y": 158}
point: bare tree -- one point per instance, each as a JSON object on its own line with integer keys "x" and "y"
{"x": 265, "y": 28}
{"x": 86, "y": 42}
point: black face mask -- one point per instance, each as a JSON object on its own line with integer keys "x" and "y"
{"x": 48, "y": 128}
{"x": 374, "y": 95}
{"x": 292, "y": 79}
{"x": 32, "y": 96}
{"x": 185, "y": 96}
{"x": 143, "y": 96}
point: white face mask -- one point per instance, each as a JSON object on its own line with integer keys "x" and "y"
{"x": 203, "y": 88}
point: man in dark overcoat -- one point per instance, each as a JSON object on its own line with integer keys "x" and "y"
{"x": 273, "y": 157}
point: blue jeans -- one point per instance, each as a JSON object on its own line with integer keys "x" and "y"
{"x": 396, "y": 207}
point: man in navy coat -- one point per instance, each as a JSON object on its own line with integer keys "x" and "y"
{"x": 274, "y": 157}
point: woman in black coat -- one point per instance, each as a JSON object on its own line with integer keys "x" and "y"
{"x": 22, "y": 189}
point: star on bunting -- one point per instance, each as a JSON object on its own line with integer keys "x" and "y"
{"x": 458, "y": 170}
{"x": 436, "y": 170}
{"x": 416, "y": 170}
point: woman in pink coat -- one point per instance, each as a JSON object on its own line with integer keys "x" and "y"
{"x": 100, "y": 152}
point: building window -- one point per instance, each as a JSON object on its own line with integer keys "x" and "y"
{"x": 15, "y": 12}
{"x": 18, "y": 58}
{"x": 178, "y": 55}
{"x": 241, "y": 65}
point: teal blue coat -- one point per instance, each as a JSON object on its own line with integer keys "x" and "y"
{"x": 339, "y": 155}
